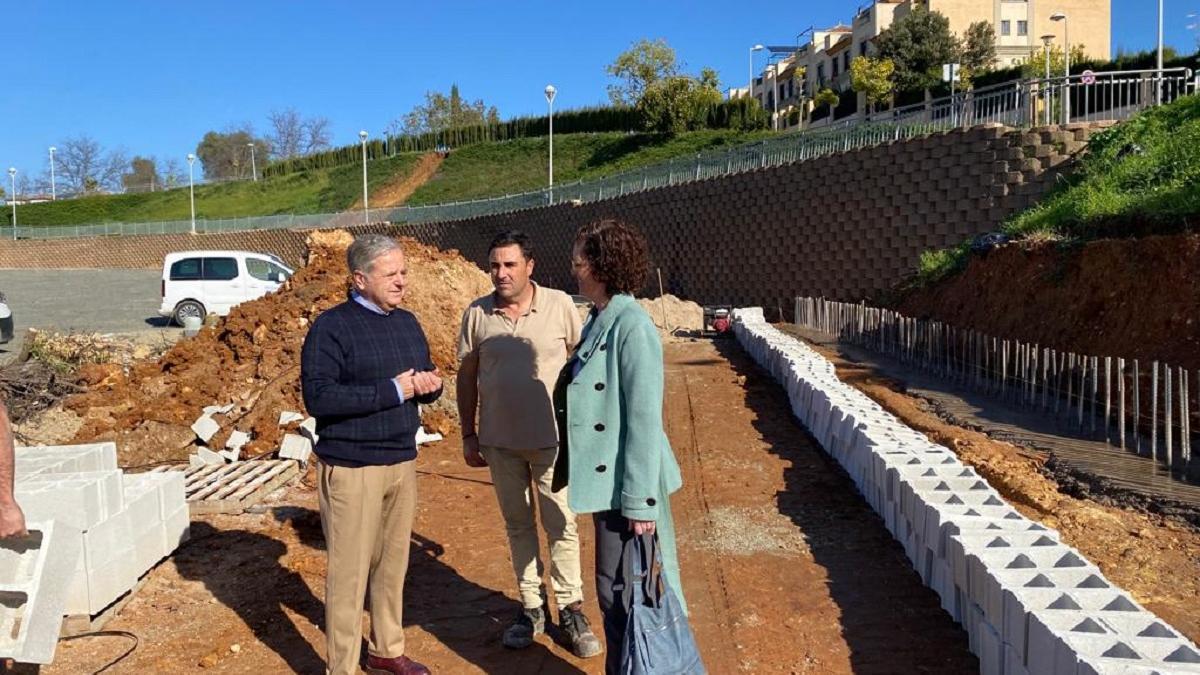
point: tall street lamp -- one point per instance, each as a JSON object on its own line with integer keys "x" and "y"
{"x": 53, "y": 192}
{"x": 1158, "y": 88}
{"x": 12, "y": 174}
{"x": 750, "y": 85}
{"x": 1059, "y": 16}
{"x": 362, "y": 137}
{"x": 551, "y": 92}
{"x": 253, "y": 166}
{"x": 192, "y": 188}
{"x": 1046, "y": 40}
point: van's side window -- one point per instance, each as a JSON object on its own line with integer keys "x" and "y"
{"x": 220, "y": 269}
{"x": 259, "y": 269}
{"x": 186, "y": 269}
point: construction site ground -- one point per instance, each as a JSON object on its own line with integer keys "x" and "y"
{"x": 785, "y": 568}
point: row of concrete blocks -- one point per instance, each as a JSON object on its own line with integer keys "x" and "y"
{"x": 1030, "y": 604}
{"x": 122, "y": 524}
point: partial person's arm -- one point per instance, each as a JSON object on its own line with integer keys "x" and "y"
{"x": 640, "y": 367}
{"x": 466, "y": 393}
{"x": 12, "y": 520}
{"x": 321, "y": 365}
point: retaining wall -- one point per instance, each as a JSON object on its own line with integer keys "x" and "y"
{"x": 845, "y": 226}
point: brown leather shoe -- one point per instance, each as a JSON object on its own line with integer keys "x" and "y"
{"x": 401, "y": 665}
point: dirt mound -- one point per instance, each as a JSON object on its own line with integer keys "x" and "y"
{"x": 681, "y": 315}
{"x": 1133, "y": 298}
{"x": 251, "y": 359}
{"x": 397, "y": 191}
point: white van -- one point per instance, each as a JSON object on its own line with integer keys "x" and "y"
{"x": 199, "y": 283}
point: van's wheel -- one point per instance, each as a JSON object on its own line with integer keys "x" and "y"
{"x": 188, "y": 308}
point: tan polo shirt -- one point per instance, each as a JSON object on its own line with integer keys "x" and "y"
{"x": 517, "y": 365}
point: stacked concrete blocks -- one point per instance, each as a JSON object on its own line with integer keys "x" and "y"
{"x": 124, "y": 524}
{"x": 1030, "y": 604}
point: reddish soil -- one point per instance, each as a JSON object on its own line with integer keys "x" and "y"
{"x": 397, "y": 191}
{"x": 785, "y": 568}
{"x": 1133, "y": 298}
{"x": 251, "y": 359}
{"x": 1155, "y": 558}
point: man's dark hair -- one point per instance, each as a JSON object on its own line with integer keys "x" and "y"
{"x": 513, "y": 238}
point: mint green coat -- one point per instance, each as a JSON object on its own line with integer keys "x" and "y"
{"x": 619, "y": 454}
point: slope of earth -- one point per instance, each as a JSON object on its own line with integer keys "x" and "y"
{"x": 398, "y": 188}
{"x": 785, "y": 568}
{"x": 1133, "y": 298}
{"x": 251, "y": 359}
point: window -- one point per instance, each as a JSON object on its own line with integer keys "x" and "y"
{"x": 821, "y": 73}
{"x": 185, "y": 270}
{"x": 1006, "y": 27}
{"x": 1022, "y": 28}
{"x": 264, "y": 271}
{"x": 220, "y": 269}
{"x": 862, "y": 49}
{"x": 835, "y": 66}
{"x": 846, "y": 61}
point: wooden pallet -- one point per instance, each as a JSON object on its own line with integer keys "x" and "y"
{"x": 231, "y": 488}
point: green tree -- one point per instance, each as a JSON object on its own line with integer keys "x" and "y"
{"x": 639, "y": 67}
{"x": 918, "y": 44}
{"x": 142, "y": 176}
{"x": 978, "y": 52}
{"x": 677, "y": 104}
{"x": 1035, "y": 67}
{"x": 827, "y": 97}
{"x": 226, "y": 155}
{"x": 873, "y": 78}
{"x": 440, "y": 112}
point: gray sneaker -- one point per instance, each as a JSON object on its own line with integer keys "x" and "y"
{"x": 577, "y": 631}
{"x": 520, "y": 632}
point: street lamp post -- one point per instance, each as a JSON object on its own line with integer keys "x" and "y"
{"x": 53, "y": 192}
{"x": 750, "y": 85}
{"x": 12, "y": 175}
{"x": 1066, "y": 94}
{"x": 1158, "y": 86}
{"x": 362, "y": 137}
{"x": 551, "y": 92}
{"x": 192, "y": 188}
{"x": 1046, "y": 90}
{"x": 253, "y": 166}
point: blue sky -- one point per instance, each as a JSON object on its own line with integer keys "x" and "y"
{"x": 153, "y": 76}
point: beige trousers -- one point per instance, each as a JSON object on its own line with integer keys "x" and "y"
{"x": 513, "y": 474}
{"x": 367, "y": 516}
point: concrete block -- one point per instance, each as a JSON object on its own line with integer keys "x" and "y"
{"x": 424, "y": 437}
{"x": 176, "y": 529}
{"x": 210, "y": 410}
{"x": 287, "y": 417}
{"x": 205, "y": 427}
{"x": 78, "y": 499}
{"x": 66, "y": 458}
{"x": 231, "y": 455}
{"x": 295, "y": 447}
{"x": 236, "y": 440}
{"x": 990, "y": 650}
{"x": 208, "y": 456}
{"x": 32, "y": 592}
{"x": 309, "y": 428}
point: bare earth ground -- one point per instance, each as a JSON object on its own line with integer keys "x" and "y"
{"x": 785, "y": 568}
{"x": 397, "y": 191}
{"x": 1155, "y": 558}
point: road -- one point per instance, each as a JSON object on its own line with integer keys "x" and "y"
{"x": 101, "y": 301}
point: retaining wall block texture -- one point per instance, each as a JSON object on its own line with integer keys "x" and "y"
{"x": 1029, "y": 603}
{"x": 123, "y": 524}
{"x": 33, "y": 591}
{"x": 845, "y": 226}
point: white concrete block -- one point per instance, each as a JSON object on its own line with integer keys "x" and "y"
{"x": 424, "y": 437}
{"x": 217, "y": 410}
{"x": 33, "y": 570}
{"x": 236, "y": 440}
{"x": 287, "y": 417}
{"x": 208, "y": 456}
{"x": 231, "y": 455}
{"x": 194, "y": 461}
{"x": 80, "y": 500}
{"x": 205, "y": 427}
{"x": 309, "y": 428}
{"x": 176, "y": 529}
{"x": 295, "y": 447}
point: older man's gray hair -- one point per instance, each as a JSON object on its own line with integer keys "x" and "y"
{"x": 361, "y": 255}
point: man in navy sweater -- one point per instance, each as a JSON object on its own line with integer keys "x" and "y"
{"x": 364, "y": 368}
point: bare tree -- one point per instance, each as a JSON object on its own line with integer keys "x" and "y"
{"x": 173, "y": 174}
{"x": 83, "y": 166}
{"x": 292, "y": 135}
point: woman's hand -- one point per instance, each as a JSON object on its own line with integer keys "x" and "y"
{"x": 641, "y": 527}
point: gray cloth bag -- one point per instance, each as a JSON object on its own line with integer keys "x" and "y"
{"x": 658, "y": 639}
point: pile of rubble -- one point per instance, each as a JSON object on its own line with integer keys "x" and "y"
{"x": 245, "y": 369}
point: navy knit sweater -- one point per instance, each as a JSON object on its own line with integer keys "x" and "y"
{"x": 347, "y": 366}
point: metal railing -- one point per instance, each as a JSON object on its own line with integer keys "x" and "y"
{"x": 1102, "y": 96}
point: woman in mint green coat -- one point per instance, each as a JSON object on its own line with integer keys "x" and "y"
{"x": 613, "y": 451}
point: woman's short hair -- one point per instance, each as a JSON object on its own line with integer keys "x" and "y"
{"x": 617, "y": 254}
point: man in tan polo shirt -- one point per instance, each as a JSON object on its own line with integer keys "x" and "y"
{"x": 512, "y": 346}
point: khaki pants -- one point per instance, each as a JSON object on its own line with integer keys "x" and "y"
{"x": 513, "y": 472}
{"x": 367, "y": 516}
